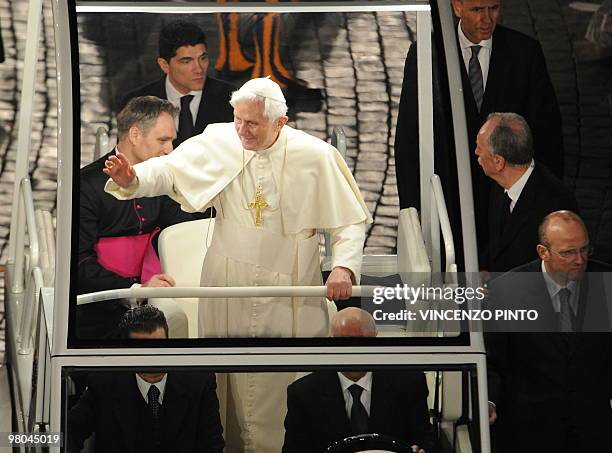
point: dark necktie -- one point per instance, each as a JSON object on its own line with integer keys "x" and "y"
{"x": 185, "y": 125}
{"x": 565, "y": 314}
{"x": 475, "y": 75}
{"x": 505, "y": 213}
{"x": 359, "y": 415}
{"x": 153, "y": 400}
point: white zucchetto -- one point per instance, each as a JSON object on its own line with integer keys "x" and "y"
{"x": 264, "y": 87}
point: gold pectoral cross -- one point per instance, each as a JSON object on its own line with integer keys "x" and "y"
{"x": 259, "y": 204}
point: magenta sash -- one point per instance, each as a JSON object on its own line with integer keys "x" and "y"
{"x": 129, "y": 256}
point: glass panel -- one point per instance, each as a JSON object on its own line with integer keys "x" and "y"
{"x": 191, "y": 409}
{"x": 337, "y": 70}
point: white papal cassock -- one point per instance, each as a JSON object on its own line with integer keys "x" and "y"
{"x": 307, "y": 186}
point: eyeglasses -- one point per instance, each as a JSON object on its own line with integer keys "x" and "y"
{"x": 587, "y": 250}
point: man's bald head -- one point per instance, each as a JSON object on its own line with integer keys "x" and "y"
{"x": 564, "y": 246}
{"x": 559, "y": 220}
{"x": 353, "y": 322}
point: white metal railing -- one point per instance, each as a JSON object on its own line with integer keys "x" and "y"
{"x": 425, "y": 118}
{"x": 28, "y": 274}
{"x": 201, "y": 7}
{"x": 25, "y": 208}
{"x": 24, "y": 136}
{"x": 440, "y": 221}
{"x": 214, "y": 292}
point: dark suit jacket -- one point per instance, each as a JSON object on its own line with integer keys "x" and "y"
{"x": 113, "y": 408}
{"x": 514, "y": 244}
{"x": 214, "y": 105}
{"x": 552, "y": 390}
{"x": 517, "y": 81}
{"x": 316, "y": 415}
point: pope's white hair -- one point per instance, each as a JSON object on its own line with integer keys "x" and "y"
{"x": 273, "y": 110}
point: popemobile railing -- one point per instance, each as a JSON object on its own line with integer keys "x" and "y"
{"x": 24, "y": 218}
{"x": 23, "y": 288}
{"x": 25, "y": 273}
{"x": 440, "y": 221}
{"x": 215, "y": 292}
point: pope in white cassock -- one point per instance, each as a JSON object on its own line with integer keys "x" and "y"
{"x": 273, "y": 187}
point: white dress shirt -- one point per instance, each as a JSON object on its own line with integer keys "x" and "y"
{"x": 175, "y": 98}
{"x": 366, "y": 395}
{"x": 553, "y": 290}
{"x": 484, "y": 56}
{"x": 515, "y": 191}
{"x": 144, "y": 386}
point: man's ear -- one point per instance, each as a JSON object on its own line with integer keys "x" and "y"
{"x": 282, "y": 121}
{"x": 499, "y": 161}
{"x": 134, "y": 135}
{"x": 163, "y": 64}
{"x": 457, "y": 7}
{"x": 543, "y": 252}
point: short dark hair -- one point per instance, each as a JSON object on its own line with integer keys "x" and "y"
{"x": 178, "y": 34}
{"x": 145, "y": 318}
{"x": 511, "y": 138}
{"x": 142, "y": 112}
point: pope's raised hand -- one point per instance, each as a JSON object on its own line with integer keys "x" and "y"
{"x": 120, "y": 170}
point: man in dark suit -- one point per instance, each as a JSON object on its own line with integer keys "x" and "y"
{"x": 550, "y": 380}
{"x": 202, "y": 100}
{"x": 506, "y": 74}
{"x": 147, "y": 411}
{"x": 321, "y": 406}
{"x": 524, "y": 193}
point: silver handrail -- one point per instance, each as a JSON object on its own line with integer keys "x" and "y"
{"x": 440, "y": 220}
{"x": 214, "y": 292}
{"x": 25, "y": 205}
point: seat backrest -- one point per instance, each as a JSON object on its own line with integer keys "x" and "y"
{"x": 451, "y": 406}
{"x": 182, "y": 248}
{"x": 455, "y": 411}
